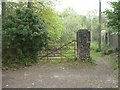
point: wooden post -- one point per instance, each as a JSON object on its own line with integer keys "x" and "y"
{"x": 83, "y": 44}
{"x": 99, "y": 31}
{"x": 3, "y": 9}
{"x": 106, "y": 38}
{"x": 74, "y": 51}
{"x": 47, "y": 52}
{"x": 61, "y": 49}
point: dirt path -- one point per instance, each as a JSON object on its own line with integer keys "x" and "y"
{"x": 64, "y": 75}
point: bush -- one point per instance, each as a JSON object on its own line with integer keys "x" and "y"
{"x": 94, "y": 46}
{"x": 24, "y": 35}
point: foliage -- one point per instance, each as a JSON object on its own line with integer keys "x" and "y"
{"x": 69, "y": 54}
{"x": 94, "y": 50}
{"x": 24, "y": 35}
{"x": 53, "y": 23}
{"x": 114, "y": 63}
{"x": 72, "y": 23}
{"x": 95, "y": 54}
{"x": 113, "y": 15}
{"x": 21, "y": 31}
{"x": 44, "y": 9}
{"x": 93, "y": 24}
{"x": 94, "y": 45}
{"x": 12, "y": 6}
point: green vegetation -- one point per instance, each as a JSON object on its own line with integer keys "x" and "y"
{"x": 29, "y": 30}
{"x": 72, "y": 63}
{"x": 69, "y": 53}
{"x": 20, "y": 34}
{"x": 113, "y": 15}
{"x": 94, "y": 50}
{"x": 72, "y": 22}
{"x": 94, "y": 45}
{"x": 114, "y": 64}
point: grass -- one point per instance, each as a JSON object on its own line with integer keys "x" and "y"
{"x": 95, "y": 54}
{"x": 94, "y": 50}
{"x": 70, "y": 62}
{"x": 94, "y": 45}
{"x": 114, "y": 62}
{"x": 68, "y": 57}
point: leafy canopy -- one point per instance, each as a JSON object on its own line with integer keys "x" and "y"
{"x": 113, "y": 15}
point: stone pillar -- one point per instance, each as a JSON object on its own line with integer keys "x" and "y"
{"x": 83, "y": 44}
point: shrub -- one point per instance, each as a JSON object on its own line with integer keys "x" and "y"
{"x": 94, "y": 46}
{"x": 24, "y": 35}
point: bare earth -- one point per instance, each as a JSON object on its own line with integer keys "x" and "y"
{"x": 64, "y": 75}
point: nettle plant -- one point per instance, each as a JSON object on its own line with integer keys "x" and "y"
{"x": 24, "y": 34}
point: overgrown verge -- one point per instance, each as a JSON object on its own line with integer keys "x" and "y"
{"x": 105, "y": 50}
{"x": 114, "y": 61}
{"x": 95, "y": 52}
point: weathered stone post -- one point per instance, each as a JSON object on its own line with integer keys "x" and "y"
{"x": 83, "y": 44}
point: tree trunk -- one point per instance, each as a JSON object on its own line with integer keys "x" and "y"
{"x": 29, "y": 3}
{"x": 3, "y": 10}
{"x": 92, "y": 29}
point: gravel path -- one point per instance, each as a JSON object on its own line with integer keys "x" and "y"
{"x": 64, "y": 75}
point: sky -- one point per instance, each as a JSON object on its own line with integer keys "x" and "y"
{"x": 82, "y": 6}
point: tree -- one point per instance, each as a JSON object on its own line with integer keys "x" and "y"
{"x": 53, "y": 22}
{"x": 72, "y": 23}
{"x": 24, "y": 27}
{"x": 92, "y": 24}
{"x": 44, "y": 9}
{"x": 113, "y": 16}
{"x": 12, "y": 6}
{"x": 24, "y": 34}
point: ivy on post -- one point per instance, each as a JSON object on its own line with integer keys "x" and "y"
{"x": 83, "y": 44}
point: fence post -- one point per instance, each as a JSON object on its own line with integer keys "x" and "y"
{"x": 61, "y": 49}
{"x": 47, "y": 52}
{"x": 74, "y": 51}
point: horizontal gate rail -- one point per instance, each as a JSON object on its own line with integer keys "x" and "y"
{"x": 59, "y": 54}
